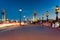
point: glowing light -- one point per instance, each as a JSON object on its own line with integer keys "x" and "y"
{"x": 20, "y": 9}
{"x": 56, "y": 24}
{"x": 22, "y": 23}
{"x": 8, "y": 25}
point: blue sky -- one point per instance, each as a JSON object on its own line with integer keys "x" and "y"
{"x": 41, "y": 6}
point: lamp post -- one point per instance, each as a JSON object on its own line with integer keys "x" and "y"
{"x": 20, "y": 15}
{"x": 3, "y": 16}
{"x": 56, "y": 12}
{"x": 47, "y": 15}
{"x": 42, "y": 17}
{"x": 24, "y": 17}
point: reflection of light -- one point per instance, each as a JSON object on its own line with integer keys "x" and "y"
{"x": 9, "y": 24}
{"x": 22, "y": 23}
{"x": 56, "y": 24}
{"x": 4, "y": 25}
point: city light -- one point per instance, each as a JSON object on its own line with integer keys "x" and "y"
{"x": 20, "y": 9}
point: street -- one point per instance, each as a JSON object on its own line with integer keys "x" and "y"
{"x": 30, "y": 33}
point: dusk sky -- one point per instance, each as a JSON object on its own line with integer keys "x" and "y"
{"x": 28, "y": 6}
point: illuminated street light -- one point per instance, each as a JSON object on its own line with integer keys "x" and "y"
{"x": 3, "y": 16}
{"x": 47, "y": 15}
{"x": 20, "y": 9}
{"x": 20, "y": 15}
{"x": 24, "y": 17}
{"x": 57, "y": 11}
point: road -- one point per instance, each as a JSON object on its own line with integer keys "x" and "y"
{"x": 30, "y": 33}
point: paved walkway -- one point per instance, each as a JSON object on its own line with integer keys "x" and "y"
{"x": 31, "y": 33}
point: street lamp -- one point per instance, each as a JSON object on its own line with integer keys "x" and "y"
{"x": 42, "y": 17}
{"x": 57, "y": 11}
{"x": 24, "y": 17}
{"x": 20, "y": 15}
{"x": 47, "y": 15}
